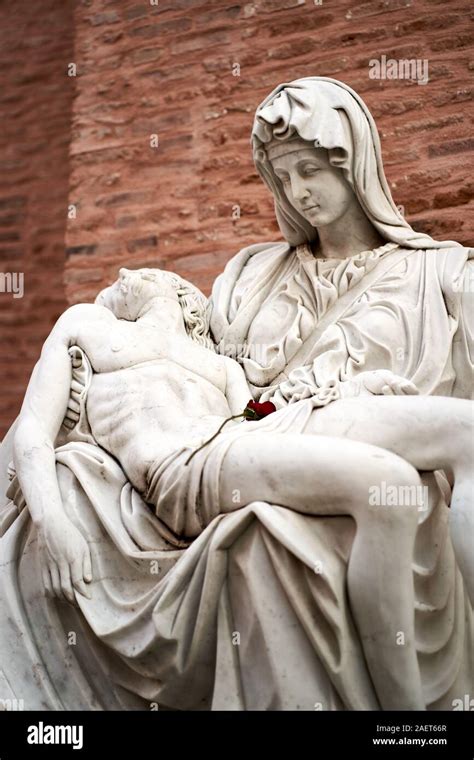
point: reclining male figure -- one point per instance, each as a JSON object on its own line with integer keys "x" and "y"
{"x": 159, "y": 390}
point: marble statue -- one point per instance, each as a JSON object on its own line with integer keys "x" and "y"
{"x": 270, "y": 571}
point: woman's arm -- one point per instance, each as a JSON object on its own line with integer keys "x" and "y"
{"x": 301, "y": 384}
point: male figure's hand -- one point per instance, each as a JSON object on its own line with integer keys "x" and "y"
{"x": 65, "y": 558}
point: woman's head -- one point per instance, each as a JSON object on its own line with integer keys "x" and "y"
{"x": 318, "y": 191}
{"x": 133, "y": 291}
{"x": 329, "y": 118}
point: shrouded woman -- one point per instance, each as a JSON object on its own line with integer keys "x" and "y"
{"x": 255, "y": 614}
{"x": 353, "y": 288}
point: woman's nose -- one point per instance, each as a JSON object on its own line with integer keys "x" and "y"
{"x": 299, "y": 189}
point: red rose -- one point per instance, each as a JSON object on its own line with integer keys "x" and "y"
{"x": 253, "y": 411}
{"x": 256, "y": 411}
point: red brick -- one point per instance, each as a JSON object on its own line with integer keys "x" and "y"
{"x": 270, "y": 6}
{"x": 173, "y": 27}
{"x": 108, "y": 17}
{"x": 451, "y": 146}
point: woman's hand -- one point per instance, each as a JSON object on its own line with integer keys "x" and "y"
{"x": 379, "y": 382}
{"x": 65, "y": 558}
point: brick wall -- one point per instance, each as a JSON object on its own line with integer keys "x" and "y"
{"x": 168, "y": 70}
{"x": 36, "y": 41}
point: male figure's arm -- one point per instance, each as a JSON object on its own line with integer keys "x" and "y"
{"x": 40, "y": 419}
{"x": 64, "y": 550}
{"x": 237, "y": 390}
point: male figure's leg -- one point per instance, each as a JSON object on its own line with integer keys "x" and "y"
{"x": 430, "y": 432}
{"x": 317, "y": 475}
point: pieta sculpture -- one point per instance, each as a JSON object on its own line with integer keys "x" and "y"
{"x": 162, "y": 547}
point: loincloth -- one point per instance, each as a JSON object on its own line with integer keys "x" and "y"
{"x": 186, "y": 497}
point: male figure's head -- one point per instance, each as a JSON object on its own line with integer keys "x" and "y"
{"x": 136, "y": 292}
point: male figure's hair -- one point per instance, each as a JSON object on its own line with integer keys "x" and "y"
{"x": 195, "y": 306}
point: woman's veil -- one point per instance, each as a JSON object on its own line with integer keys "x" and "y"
{"x": 331, "y": 115}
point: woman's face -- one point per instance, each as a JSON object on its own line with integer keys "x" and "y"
{"x": 317, "y": 190}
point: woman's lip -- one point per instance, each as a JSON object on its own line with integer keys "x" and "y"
{"x": 308, "y": 208}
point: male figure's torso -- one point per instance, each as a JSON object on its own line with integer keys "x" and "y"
{"x": 151, "y": 392}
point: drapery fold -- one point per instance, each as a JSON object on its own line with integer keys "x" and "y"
{"x": 416, "y": 320}
{"x": 243, "y": 618}
{"x": 204, "y": 627}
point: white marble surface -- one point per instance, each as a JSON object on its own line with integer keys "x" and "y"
{"x": 305, "y": 561}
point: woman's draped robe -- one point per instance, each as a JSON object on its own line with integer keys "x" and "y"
{"x": 243, "y": 619}
{"x": 415, "y": 319}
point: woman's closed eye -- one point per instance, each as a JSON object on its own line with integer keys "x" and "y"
{"x": 307, "y": 172}
{"x": 309, "y": 169}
